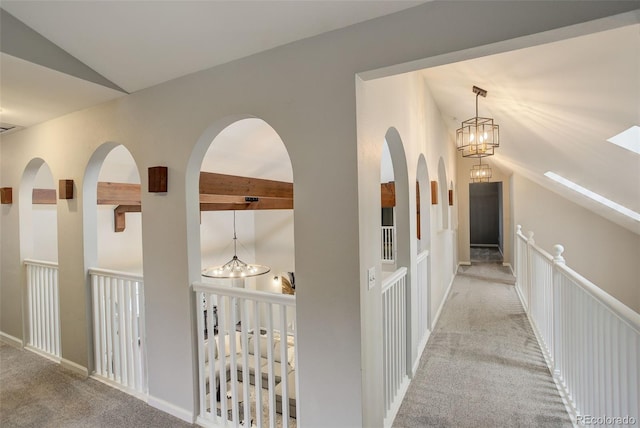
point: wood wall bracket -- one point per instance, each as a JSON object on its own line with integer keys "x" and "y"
{"x": 6, "y": 195}
{"x": 65, "y": 189}
{"x": 158, "y": 179}
{"x": 119, "y": 222}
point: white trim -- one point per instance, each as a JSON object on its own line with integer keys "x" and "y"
{"x": 43, "y": 354}
{"x": 464, "y": 264}
{"x": 119, "y": 274}
{"x": 74, "y": 367}
{"x": 172, "y": 409}
{"x": 393, "y": 411}
{"x": 421, "y": 347}
{"x": 11, "y": 340}
{"x": 510, "y": 268}
{"x": 444, "y": 299}
{"x": 116, "y": 385}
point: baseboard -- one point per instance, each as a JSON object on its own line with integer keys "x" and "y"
{"x": 171, "y": 409}
{"x": 395, "y": 406}
{"x": 43, "y": 354}
{"x": 115, "y": 385}
{"x": 421, "y": 348}
{"x": 74, "y": 367}
{"x": 11, "y": 340}
{"x": 510, "y": 268}
{"x": 464, "y": 263}
{"x": 444, "y": 299}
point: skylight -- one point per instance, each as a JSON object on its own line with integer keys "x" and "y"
{"x": 592, "y": 195}
{"x": 629, "y": 139}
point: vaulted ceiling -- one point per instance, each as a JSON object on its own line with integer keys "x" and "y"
{"x": 556, "y": 103}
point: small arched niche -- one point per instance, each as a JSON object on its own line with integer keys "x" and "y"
{"x": 112, "y": 207}
{"x": 444, "y": 194}
{"x": 38, "y": 213}
{"x": 423, "y": 205}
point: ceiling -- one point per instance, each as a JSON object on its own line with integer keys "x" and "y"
{"x": 556, "y": 104}
{"x": 138, "y": 44}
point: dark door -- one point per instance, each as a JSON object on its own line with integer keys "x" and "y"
{"x": 485, "y": 214}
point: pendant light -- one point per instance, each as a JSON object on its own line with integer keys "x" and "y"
{"x": 235, "y": 268}
{"x": 478, "y": 136}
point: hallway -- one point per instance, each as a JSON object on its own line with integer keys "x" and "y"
{"x": 482, "y": 366}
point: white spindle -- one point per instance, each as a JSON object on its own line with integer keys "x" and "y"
{"x": 248, "y": 354}
{"x": 592, "y": 341}
{"x": 43, "y": 305}
{"x": 119, "y": 343}
{"x": 394, "y": 345}
{"x": 388, "y": 243}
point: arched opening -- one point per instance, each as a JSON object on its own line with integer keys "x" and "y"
{"x": 113, "y": 257}
{"x": 39, "y": 252}
{"x": 423, "y": 263}
{"x": 246, "y": 203}
{"x": 396, "y": 285}
{"x": 444, "y": 195}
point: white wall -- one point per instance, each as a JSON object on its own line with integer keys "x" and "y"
{"x": 44, "y": 221}
{"x": 305, "y": 90}
{"x": 601, "y": 251}
{"x": 402, "y": 102}
{"x": 121, "y": 251}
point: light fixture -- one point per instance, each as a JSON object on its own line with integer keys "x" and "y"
{"x": 478, "y": 136}
{"x": 235, "y": 268}
{"x": 480, "y": 173}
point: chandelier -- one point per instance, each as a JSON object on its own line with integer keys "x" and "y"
{"x": 478, "y": 136}
{"x": 235, "y": 268}
{"x": 480, "y": 173}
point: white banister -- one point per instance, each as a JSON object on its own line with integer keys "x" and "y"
{"x": 119, "y": 330}
{"x": 590, "y": 339}
{"x": 422, "y": 294}
{"x": 394, "y": 342}
{"x": 246, "y": 357}
{"x": 43, "y": 307}
{"x": 388, "y": 243}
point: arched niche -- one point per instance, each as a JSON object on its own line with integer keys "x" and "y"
{"x": 423, "y": 208}
{"x": 38, "y": 213}
{"x": 401, "y": 189}
{"x": 443, "y": 188}
{"x": 248, "y": 150}
{"x": 112, "y": 181}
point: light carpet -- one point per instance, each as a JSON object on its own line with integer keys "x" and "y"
{"x": 38, "y": 393}
{"x": 482, "y": 366}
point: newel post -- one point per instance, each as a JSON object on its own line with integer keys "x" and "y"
{"x": 556, "y": 304}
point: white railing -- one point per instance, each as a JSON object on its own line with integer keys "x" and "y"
{"x": 258, "y": 354}
{"x": 591, "y": 340}
{"x": 388, "y": 243}
{"x": 394, "y": 342}
{"x": 422, "y": 295}
{"x": 44, "y": 307}
{"x": 119, "y": 330}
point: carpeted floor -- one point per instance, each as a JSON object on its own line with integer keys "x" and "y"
{"x": 482, "y": 366}
{"x": 35, "y": 392}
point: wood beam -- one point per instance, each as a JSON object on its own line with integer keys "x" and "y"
{"x": 6, "y": 195}
{"x": 232, "y": 185}
{"x": 119, "y": 215}
{"x": 44, "y": 196}
{"x": 262, "y": 204}
{"x": 118, "y": 193}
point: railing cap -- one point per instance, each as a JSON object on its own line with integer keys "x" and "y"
{"x": 557, "y": 253}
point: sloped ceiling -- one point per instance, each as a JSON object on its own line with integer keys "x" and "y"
{"x": 138, "y": 44}
{"x": 556, "y": 105}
